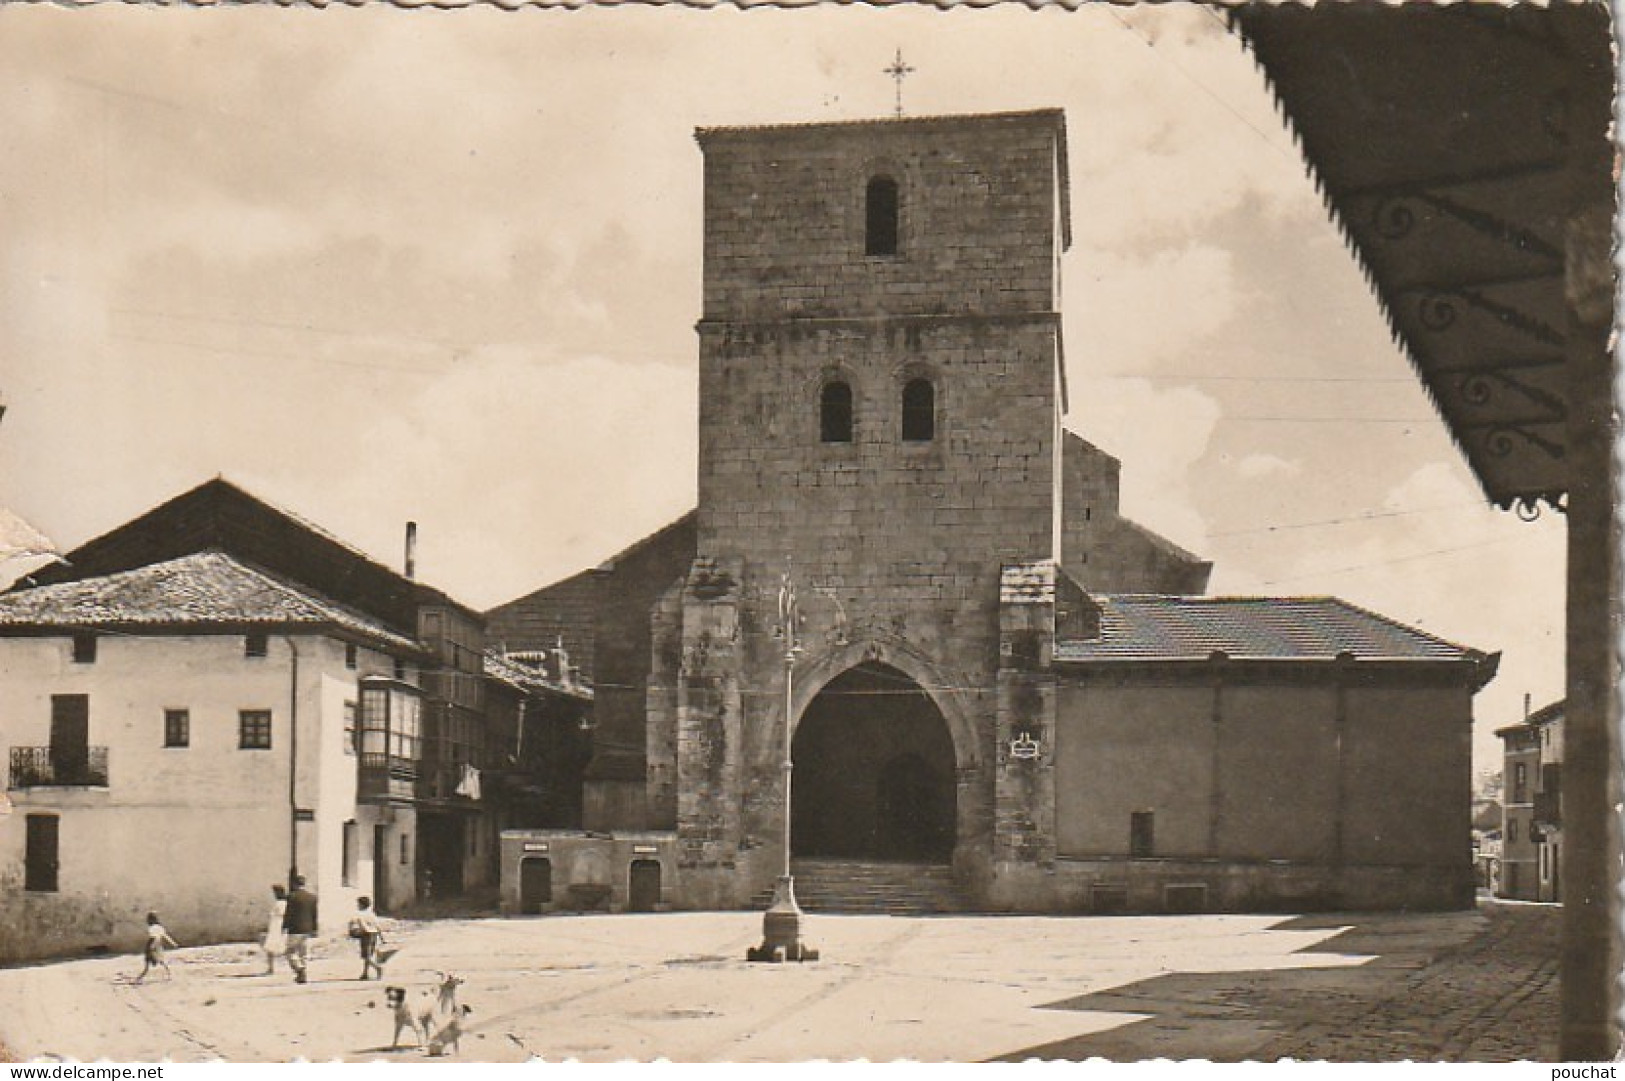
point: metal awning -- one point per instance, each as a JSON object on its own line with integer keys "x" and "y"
{"x": 1445, "y": 140}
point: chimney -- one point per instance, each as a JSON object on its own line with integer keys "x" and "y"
{"x": 1526, "y": 705}
{"x": 411, "y": 549}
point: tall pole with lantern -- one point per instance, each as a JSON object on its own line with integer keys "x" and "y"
{"x": 781, "y": 923}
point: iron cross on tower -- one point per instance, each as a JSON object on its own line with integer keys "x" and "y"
{"x": 899, "y": 71}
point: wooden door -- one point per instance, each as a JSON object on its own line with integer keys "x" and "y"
{"x": 535, "y": 884}
{"x": 643, "y": 886}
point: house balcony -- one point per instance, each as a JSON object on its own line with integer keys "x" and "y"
{"x": 54, "y": 767}
{"x": 447, "y": 781}
{"x": 385, "y": 776}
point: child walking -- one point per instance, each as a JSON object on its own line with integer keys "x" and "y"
{"x": 368, "y": 935}
{"x": 276, "y": 939}
{"x": 158, "y": 941}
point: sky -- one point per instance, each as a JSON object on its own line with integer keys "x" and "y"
{"x": 379, "y": 265}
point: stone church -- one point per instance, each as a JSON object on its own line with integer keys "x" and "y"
{"x": 996, "y": 679}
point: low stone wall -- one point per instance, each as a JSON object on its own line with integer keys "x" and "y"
{"x": 575, "y": 871}
{"x": 48, "y": 926}
{"x": 1172, "y": 885}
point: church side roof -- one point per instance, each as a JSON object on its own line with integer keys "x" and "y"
{"x": 1179, "y": 628}
{"x": 204, "y": 590}
{"x": 1163, "y": 544}
{"x": 643, "y": 543}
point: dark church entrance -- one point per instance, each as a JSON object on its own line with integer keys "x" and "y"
{"x": 874, "y": 772}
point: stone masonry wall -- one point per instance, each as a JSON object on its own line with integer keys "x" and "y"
{"x": 1106, "y": 552}
{"x": 784, "y": 214}
{"x": 896, "y": 547}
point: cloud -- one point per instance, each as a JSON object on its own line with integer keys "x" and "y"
{"x": 518, "y": 498}
{"x": 1444, "y": 483}
{"x": 1134, "y": 314}
{"x": 1159, "y": 435}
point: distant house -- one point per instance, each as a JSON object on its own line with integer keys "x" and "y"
{"x": 1487, "y": 816}
{"x": 1532, "y": 829}
{"x": 218, "y": 695}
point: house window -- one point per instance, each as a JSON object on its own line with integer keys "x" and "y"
{"x": 1520, "y": 783}
{"x": 835, "y": 412}
{"x": 349, "y": 727}
{"x": 390, "y": 733}
{"x": 84, "y": 648}
{"x": 177, "y": 728}
{"x": 255, "y": 645}
{"x": 880, "y": 217}
{"x": 347, "y": 876}
{"x": 400, "y": 669}
{"x": 404, "y": 740}
{"x": 350, "y": 656}
{"x": 254, "y": 730}
{"x": 40, "y": 860}
{"x": 919, "y": 411}
{"x": 1141, "y": 834}
{"x": 406, "y": 849}
{"x": 1512, "y": 829}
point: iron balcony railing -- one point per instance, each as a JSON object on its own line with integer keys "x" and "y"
{"x": 57, "y": 767}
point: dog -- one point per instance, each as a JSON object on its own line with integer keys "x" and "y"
{"x": 430, "y": 1008}
{"x": 437, "y": 1003}
{"x": 429, "y": 1012}
{"x": 450, "y": 1033}
{"x": 405, "y": 1015}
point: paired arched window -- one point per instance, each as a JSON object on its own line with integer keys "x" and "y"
{"x": 880, "y": 217}
{"x": 835, "y": 412}
{"x": 919, "y": 411}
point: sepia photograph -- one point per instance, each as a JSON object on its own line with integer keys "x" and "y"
{"x": 597, "y": 532}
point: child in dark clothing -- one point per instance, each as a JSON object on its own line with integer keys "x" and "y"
{"x": 158, "y": 941}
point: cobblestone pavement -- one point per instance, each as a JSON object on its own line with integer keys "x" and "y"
{"x": 1451, "y": 986}
{"x": 1435, "y": 990}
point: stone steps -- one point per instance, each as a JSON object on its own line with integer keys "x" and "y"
{"x": 871, "y": 886}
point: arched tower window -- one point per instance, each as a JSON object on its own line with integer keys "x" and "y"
{"x": 919, "y": 411}
{"x": 835, "y": 412}
{"x": 880, "y": 219}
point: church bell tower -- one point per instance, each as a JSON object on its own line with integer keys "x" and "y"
{"x": 880, "y": 400}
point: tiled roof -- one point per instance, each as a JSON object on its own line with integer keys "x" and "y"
{"x": 526, "y": 677}
{"x": 1168, "y": 628}
{"x": 1545, "y": 715}
{"x": 1548, "y": 713}
{"x": 204, "y": 589}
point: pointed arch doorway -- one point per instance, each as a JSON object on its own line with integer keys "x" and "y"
{"x": 874, "y": 772}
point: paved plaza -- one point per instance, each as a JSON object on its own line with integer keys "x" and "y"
{"x": 1461, "y": 986}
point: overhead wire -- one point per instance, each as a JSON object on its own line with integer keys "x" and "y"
{"x": 1372, "y": 516}
{"x": 1390, "y": 562}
